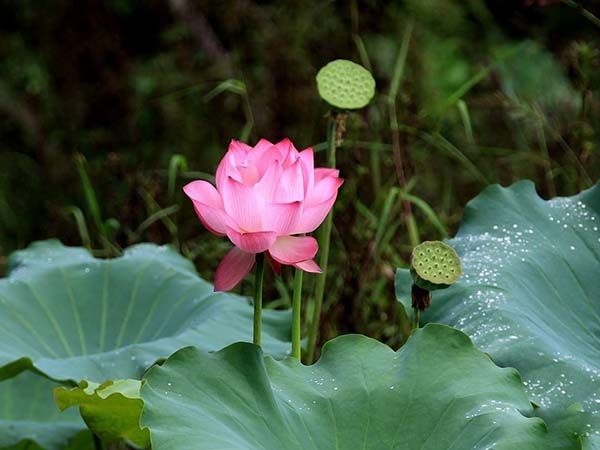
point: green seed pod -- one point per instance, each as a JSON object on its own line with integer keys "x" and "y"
{"x": 345, "y": 85}
{"x": 434, "y": 265}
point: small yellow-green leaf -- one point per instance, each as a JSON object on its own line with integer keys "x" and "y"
{"x": 111, "y": 410}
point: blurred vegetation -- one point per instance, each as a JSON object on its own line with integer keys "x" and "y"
{"x": 107, "y": 108}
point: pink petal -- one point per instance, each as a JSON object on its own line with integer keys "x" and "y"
{"x": 285, "y": 146}
{"x": 291, "y": 185}
{"x": 293, "y": 249}
{"x": 239, "y": 149}
{"x": 228, "y": 169}
{"x": 249, "y": 174}
{"x": 208, "y": 206}
{"x": 259, "y": 150}
{"x": 282, "y": 217}
{"x": 246, "y": 164}
{"x": 204, "y": 192}
{"x": 269, "y": 183}
{"x": 268, "y": 157}
{"x": 253, "y": 167}
{"x": 324, "y": 190}
{"x": 214, "y": 220}
{"x": 313, "y": 217}
{"x": 307, "y": 159}
{"x": 325, "y": 172}
{"x": 309, "y": 266}
{"x": 252, "y": 242}
{"x": 233, "y": 268}
{"x": 243, "y": 205}
{"x": 288, "y": 151}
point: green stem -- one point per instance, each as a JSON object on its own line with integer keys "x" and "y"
{"x": 584, "y": 12}
{"x": 395, "y": 129}
{"x": 296, "y": 315}
{"x": 117, "y": 445}
{"x": 331, "y": 142}
{"x": 258, "y": 295}
{"x": 324, "y": 241}
{"x": 97, "y": 443}
{"x": 413, "y": 230}
{"x": 550, "y": 186}
{"x": 416, "y": 319}
{"x": 375, "y": 159}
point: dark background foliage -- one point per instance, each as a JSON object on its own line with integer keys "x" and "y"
{"x": 108, "y": 107}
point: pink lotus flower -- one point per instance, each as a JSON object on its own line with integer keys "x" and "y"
{"x": 265, "y": 195}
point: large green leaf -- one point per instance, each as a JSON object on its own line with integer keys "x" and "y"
{"x": 74, "y": 317}
{"x": 530, "y": 296}
{"x": 437, "y": 392}
{"x": 30, "y": 420}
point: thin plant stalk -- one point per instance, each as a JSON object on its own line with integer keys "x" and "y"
{"x": 81, "y": 225}
{"x": 463, "y": 110}
{"x": 413, "y": 231}
{"x": 91, "y": 200}
{"x": 249, "y": 117}
{"x": 157, "y": 213}
{"x": 90, "y": 195}
{"x": 427, "y": 211}
{"x": 416, "y": 318}
{"x": 324, "y": 241}
{"x": 114, "y": 445}
{"x": 375, "y": 162}
{"x": 584, "y": 12}
{"x": 236, "y": 87}
{"x": 375, "y": 159}
{"x": 177, "y": 164}
{"x": 541, "y": 135}
{"x": 296, "y": 315}
{"x": 258, "y": 297}
{"x": 97, "y": 443}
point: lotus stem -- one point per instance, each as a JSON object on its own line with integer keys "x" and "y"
{"x": 296, "y": 315}
{"x": 258, "y": 294}
{"x": 324, "y": 240}
{"x": 421, "y": 299}
{"x": 416, "y": 318}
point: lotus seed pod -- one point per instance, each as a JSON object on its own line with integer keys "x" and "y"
{"x": 434, "y": 265}
{"x": 345, "y": 85}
